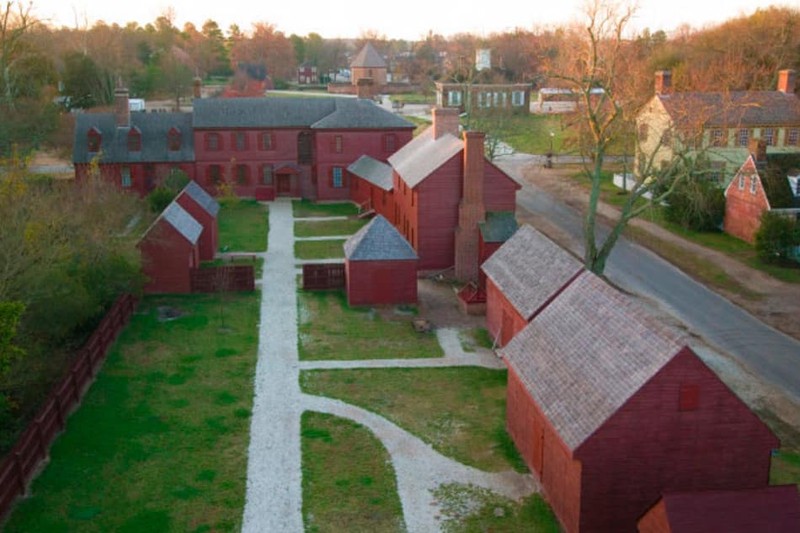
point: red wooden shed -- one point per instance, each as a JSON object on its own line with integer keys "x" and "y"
{"x": 774, "y": 509}
{"x": 204, "y": 209}
{"x": 611, "y": 409}
{"x": 170, "y": 251}
{"x": 523, "y": 276}
{"x": 371, "y": 186}
{"x": 380, "y": 266}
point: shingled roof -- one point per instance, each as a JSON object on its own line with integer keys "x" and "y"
{"x": 153, "y": 128}
{"x": 419, "y": 158}
{"x": 376, "y": 172}
{"x": 378, "y": 241}
{"x": 203, "y": 199}
{"x": 733, "y": 109}
{"x": 368, "y": 57}
{"x": 586, "y": 354}
{"x": 529, "y": 269}
{"x": 180, "y": 219}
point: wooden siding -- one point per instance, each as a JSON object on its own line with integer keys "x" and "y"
{"x": 167, "y": 258}
{"x": 381, "y": 282}
{"x": 436, "y": 215}
{"x": 209, "y": 238}
{"x": 500, "y": 313}
{"x": 499, "y": 190}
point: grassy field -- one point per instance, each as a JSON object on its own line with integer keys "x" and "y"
{"x": 307, "y": 208}
{"x": 243, "y": 226}
{"x": 160, "y": 442}
{"x": 327, "y": 228}
{"x": 331, "y": 329}
{"x": 348, "y": 480}
{"x": 458, "y": 411}
{"x": 326, "y": 249}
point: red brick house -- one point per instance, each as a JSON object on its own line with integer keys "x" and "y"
{"x": 763, "y": 183}
{"x": 522, "y": 277}
{"x": 204, "y": 209}
{"x": 380, "y": 266}
{"x": 611, "y": 409}
{"x": 775, "y": 509}
{"x": 170, "y": 251}
{"x": 443, "y": 187}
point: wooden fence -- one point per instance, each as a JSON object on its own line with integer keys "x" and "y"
{"x": 229, "y": 278}
{"x": 317, "y": 277}
{"x": 33, "y": 446}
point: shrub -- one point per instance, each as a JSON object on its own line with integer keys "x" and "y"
{"x": 160, "y": 198}
{"x": 776, "y": 238}
{"x": 696, "y": 204}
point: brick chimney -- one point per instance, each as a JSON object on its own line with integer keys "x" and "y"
{"x": 786, "y": 81}
{"x": 122, "y": 110}
{"x": 663, "y": 82}
{"x": 758, "y": 148}
{"x": 197, "y": 85}
{"x": 471, "y": 209}
{"x": 364, "y": 88}
{"x": 445, "y": 120}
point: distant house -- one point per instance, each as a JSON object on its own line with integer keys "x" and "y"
{"x": 169, "y": 250}
{"x": 307, "y": 74}
{"x": 380, "y": 266}
{"x": 720, "y": 124}
{"x": 369, "y": 69}
{"x": 522, "y": 277}
{"x": 765, "y": 182}
{"x": 204, "y": 209}
{"x": 484, "y": 96}
{"x": 611, "y": 409}
{"x": 775, "y": 509}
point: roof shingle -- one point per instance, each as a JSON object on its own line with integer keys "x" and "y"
{"x": 376, "y": 172}
{"x": 378, "y": 241}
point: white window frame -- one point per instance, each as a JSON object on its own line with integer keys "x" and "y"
{"x": 125, "y": 178}
{"x": 518, "y": 98}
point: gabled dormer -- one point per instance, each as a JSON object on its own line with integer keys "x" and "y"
{"x": 174, "y": 139}
{"x": 134, "y": 140}
{"x": 94, "y": 140}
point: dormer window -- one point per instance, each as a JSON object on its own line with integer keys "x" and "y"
{"x": 134, "y": 140}
{"x": 93, "y": 140}
{"x": 753, "y": 184}
{"x": 174, "y": 139}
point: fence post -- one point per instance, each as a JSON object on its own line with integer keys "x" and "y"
{"x": 59, "y": 411}
{"x": 75, "y": 389}
{"x": 40, "y": 439}
{"x": 20, "y": 472}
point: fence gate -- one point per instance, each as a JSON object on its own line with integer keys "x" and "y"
{"x": 324, "y": 276}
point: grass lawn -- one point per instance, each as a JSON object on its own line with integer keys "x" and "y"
{"x": 348, "y": 480}
{"x": 243, "y": 226}
{"x": 475, "y": 338}
{"x": 461, "y": 412}
{"x": 307, "y": 208}
{"x": 326, "y": 249}
{"x": 160, "y": 441}
{"x": 330, "y": 329}
{"x": 530, "y": 134}
{"x": 327, "y": 228}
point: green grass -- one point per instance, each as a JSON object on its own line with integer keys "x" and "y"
{"x": 530, "y": 134}
{"x": 476, "y": 337}
{"x": 458, "y": 411}
{"x": 325, "y": 249}
{"x": 307, "y": 208}
{"x": 243, "y": 226}
{"x": 327, "y": 228}
{"x": 330, "y": 329}
{"x": 414, "y": 98}
{"x": 785, "y": 466}
{"x": 469, "y": 509}
{"x": 160, "y": 440}
{"x": 348, "y": 480}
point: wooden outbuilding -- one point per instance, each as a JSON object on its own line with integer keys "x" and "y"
{"x": 380, "y": 266}
{"x": 371, "y": 186}
{"x": 775, "y": 509}
{"x": 611, "y": 409}
{"x": 522, "y": 277}
{"x": 204, "y": 209}
{"x": 170, "y": 251}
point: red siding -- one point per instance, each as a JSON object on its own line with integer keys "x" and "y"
{"x": 436, "y": 215}
{"x": 209, "y": 238}
{"x": 167, "y": 258}
{"x": 743, "y": 209}
{"x": 656, "y": 520}
{"x": 499, "y": 311}
{"x": 382, "y": 201}
{"x": 381, "y": 282}
{"x": 499, "y": 191}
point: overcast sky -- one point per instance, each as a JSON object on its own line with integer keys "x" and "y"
{"x": 406, "y": 19}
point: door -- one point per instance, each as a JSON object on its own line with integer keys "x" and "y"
{"x": 284, "y": 184}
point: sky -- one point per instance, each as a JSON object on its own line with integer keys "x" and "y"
{"x": 406, "y": 19}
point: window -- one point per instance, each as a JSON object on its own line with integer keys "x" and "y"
{"x": 454, "y": 98}
{"x": 390, "y": 143}
{"x": 266, "y": 175}
{"x": 214, "y": 175}
{"x": 93, "y": 140}
{"x": 768, "y": 134}
{"x": 484, "y": 99}
{"x": 518, "y": 98}
{"x": 338, "y": 144}
{"x": 213, "y": 142}
{"x": 242, "y": 174}
{"x": 174, "y": 139}
{"x": 717, "y": 137}
{"x": 753, "y": 183}
{"x": 742, "y": 137}
{"x": 741, "y": 182}
{"x": 240, "y": 141}
{"x": 499, "y": 99}
{"x": 305, "y": 148}
{"x": 717, "y": 172}
{"x": 267, "y": 142}
{"x": 337, "y": 176}
{"x": 134, "y": 140}
{"x": 792, "y": 136}
{"x": 689, "y": 398}
{"x": 126, "y": 177}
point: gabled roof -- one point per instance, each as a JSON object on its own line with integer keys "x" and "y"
{"x": 180, "y": 219}
{"x": 376, "y": 172}
{"x": 203, "y": 199}
{"x": 153, "y": 128}
{"x": 772, "y": 508}
{"x": 419, "y": 158}
{"x": 529, "y": 269}
{"x": 732, "y": 109}
{"x": 315, "y": 113}
{"x": 499, "y": 226}
{"x": 368, "y": 57}
{"x": 586, "y": 354}
{"x": 377, "y": 241}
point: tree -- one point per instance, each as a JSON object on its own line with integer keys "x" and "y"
{"x": 776, "y": 238}
{"x": 84, "y": 82}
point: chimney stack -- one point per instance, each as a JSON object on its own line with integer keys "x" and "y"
{"x": 786, "y": 81}
{"x": 758, "y": 147}
{"x": 445, "y": 120}
{"x": 663, "y": 82}
{"x": 122, "y": 110}
{"x": 471, "y": 209}
{"x": 197, "y": 84}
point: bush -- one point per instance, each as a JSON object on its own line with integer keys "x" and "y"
{"x": 776, "y": 238}
{"x": 696, "y": 204}
{"x": 160, "y": 198}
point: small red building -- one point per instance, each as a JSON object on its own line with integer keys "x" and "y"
{"x": 763, "y": 183}
{"x": 775, "y": 509}
{"x": 170, "y": 251}
{"x": 522, "y": 277}
{"x": 204, "y": 209}
{"x": 371, "y": 186}
{"x": 611, "y": 409}
{"x": 380, "y": 266}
